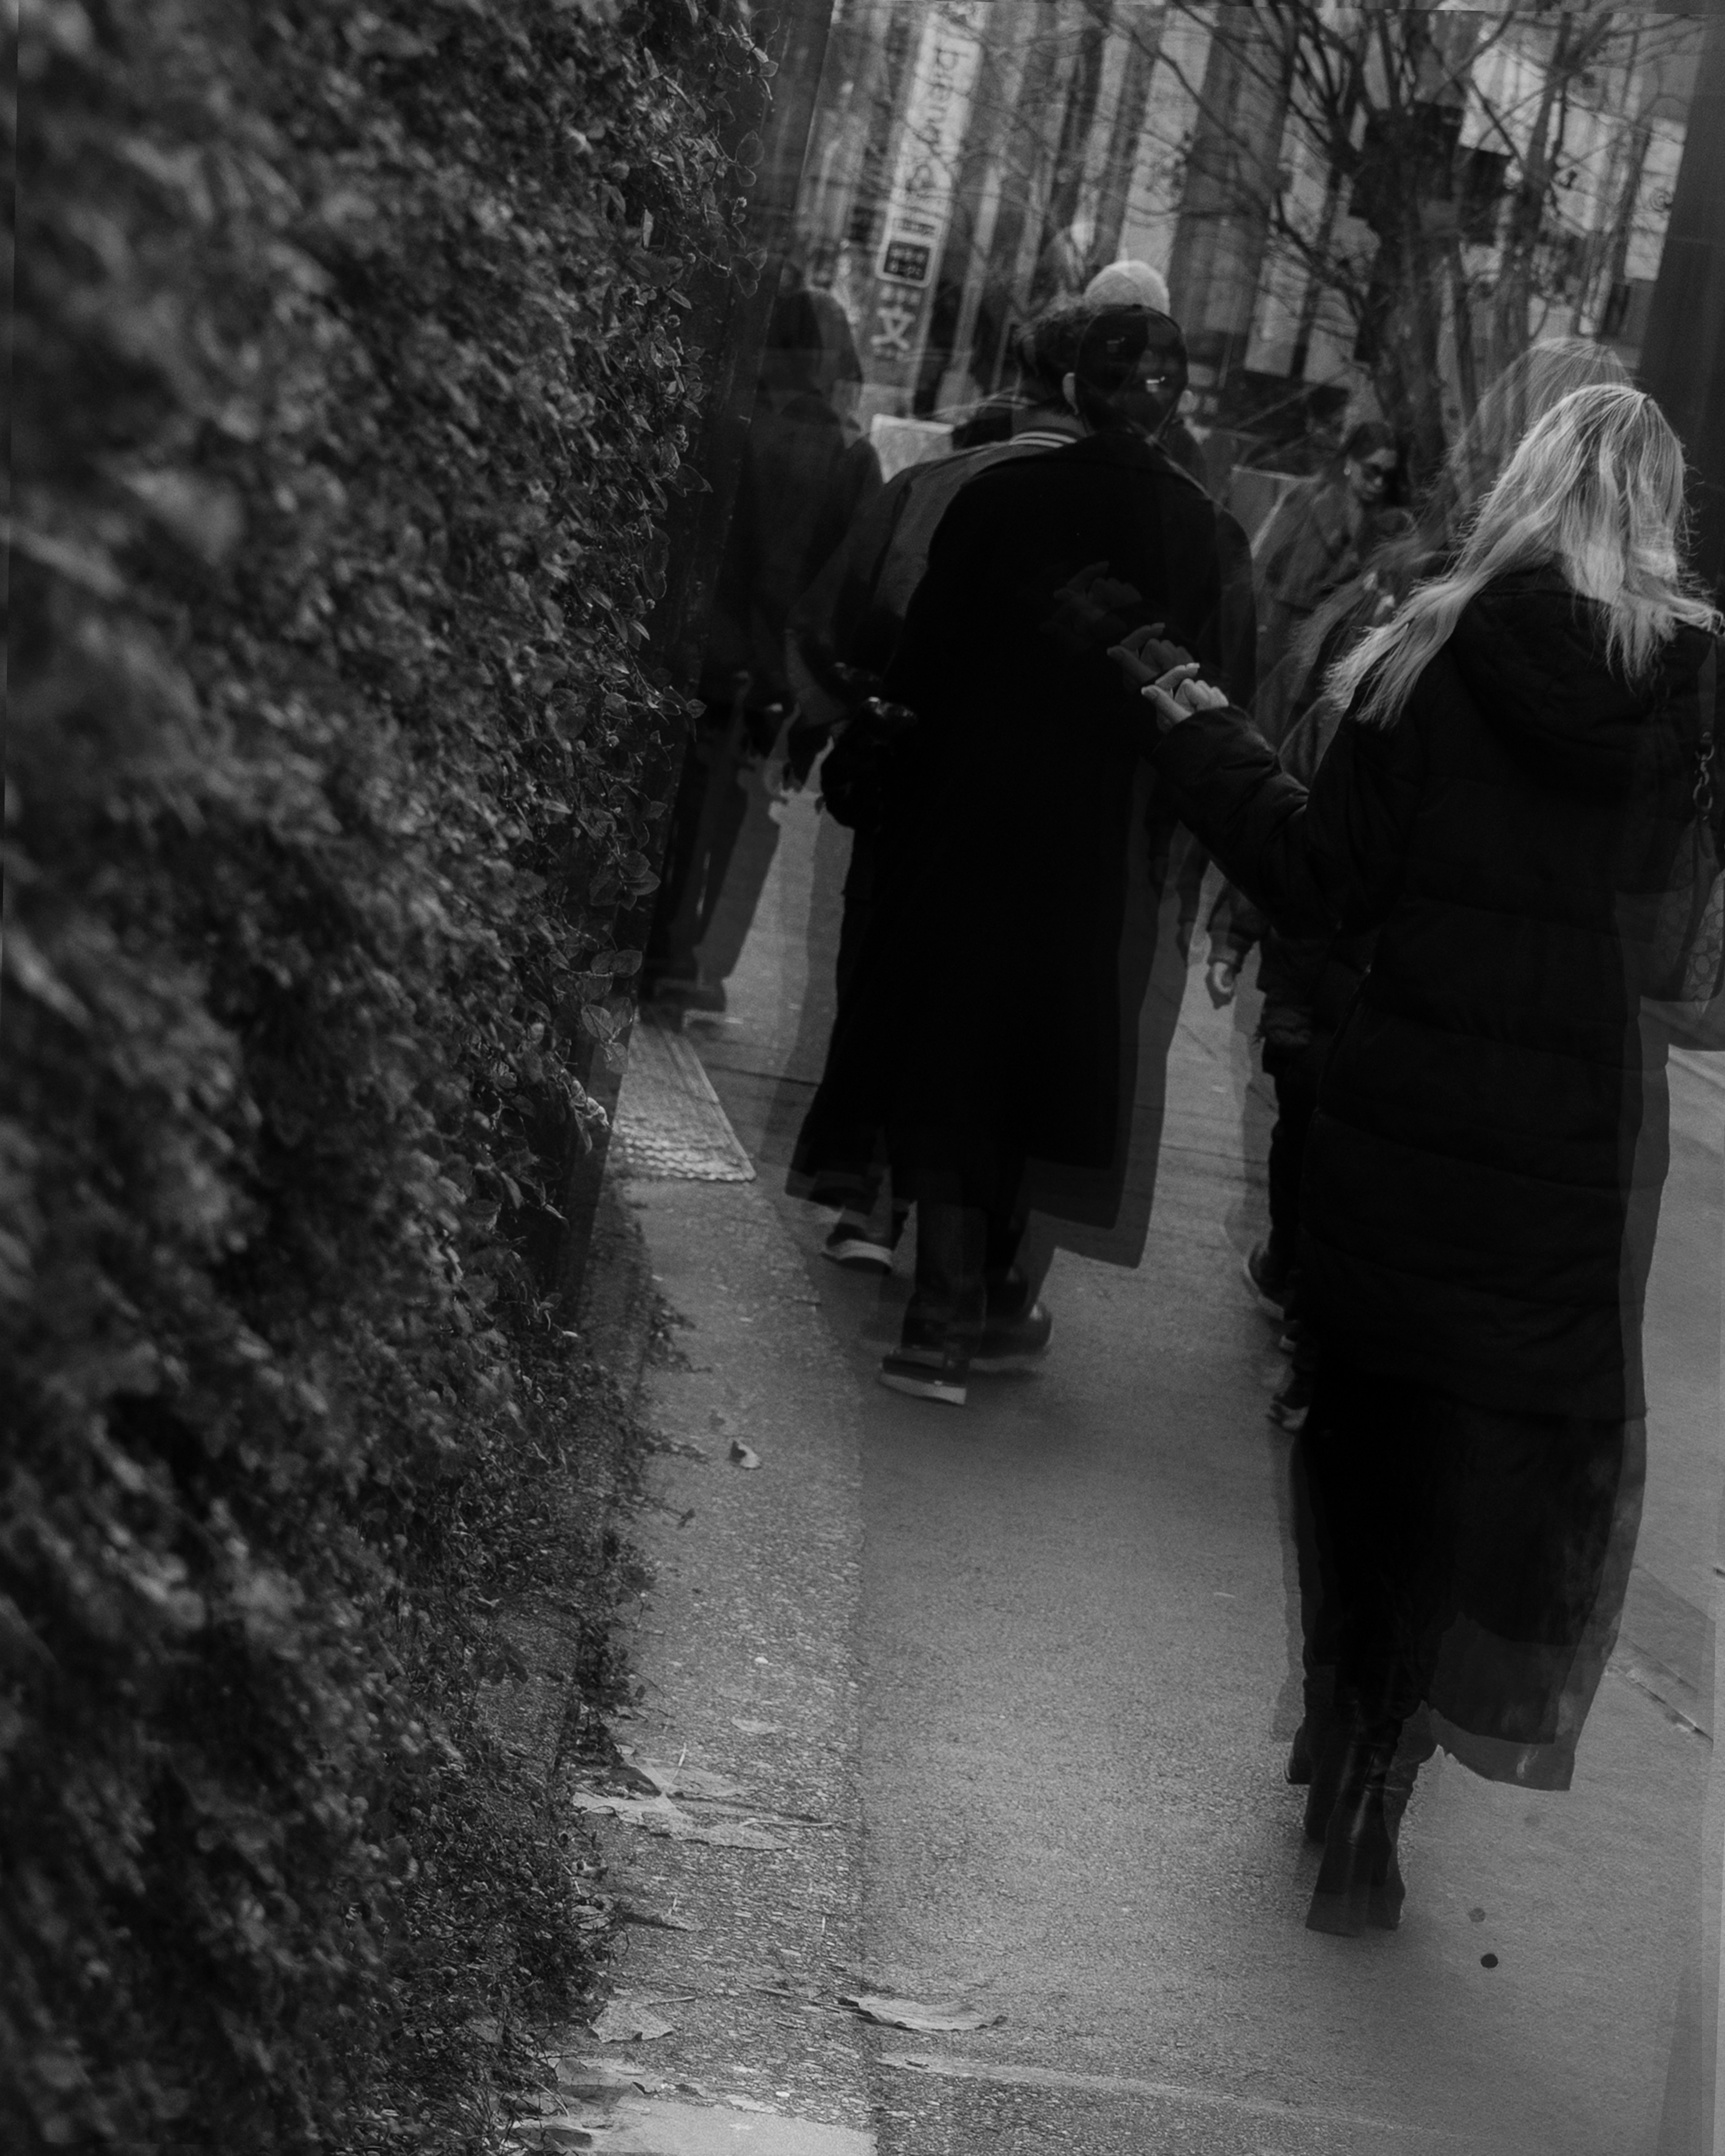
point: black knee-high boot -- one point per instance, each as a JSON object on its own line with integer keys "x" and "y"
{"x": 1359, "y": 1881}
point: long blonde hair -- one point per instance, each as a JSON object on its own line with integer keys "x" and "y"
{"x": 1535, "y": 380}
{"x": 1594, "y": 490}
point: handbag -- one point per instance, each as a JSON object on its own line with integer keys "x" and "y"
{"x": 853, "y": 779}
{"x": 1686, "y": 961}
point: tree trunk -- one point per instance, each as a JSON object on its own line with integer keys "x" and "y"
{"x": 1125, "y": 137}
{"x": 1526, "y": 218}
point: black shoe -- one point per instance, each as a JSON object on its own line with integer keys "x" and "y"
{"x": 857, "y": 1248}
{"x": 1359, "y": 1881}
{"x": 1293, "y": 1397}
{"x": 928, "y": 1373}
{"x": 1320, "y": 1747}
{"x": 861, "y": 1242}
{"x": 1270, "y": 1281}
{"x": 1018, "y": 1345}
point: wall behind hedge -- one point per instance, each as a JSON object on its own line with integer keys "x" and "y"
{"x": 349, "y": 392}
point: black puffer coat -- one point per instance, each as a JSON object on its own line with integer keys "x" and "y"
{"x": 1469, "y": 1215}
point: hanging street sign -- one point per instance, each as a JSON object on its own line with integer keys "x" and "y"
{"x": 925, "y": 177}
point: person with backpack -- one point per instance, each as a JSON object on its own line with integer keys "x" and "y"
{"x": 1521, "y": 794}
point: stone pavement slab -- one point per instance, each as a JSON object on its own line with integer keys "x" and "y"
{"x": 743, "y": 1880}
{"x": 648, "y": 2126}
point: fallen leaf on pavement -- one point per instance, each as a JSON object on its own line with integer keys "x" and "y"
{"x": 658, "y": 1814}
{"x": 658, "y": 1920}
{"x": 625, "y": 2022}
{"x": 555, "y": 2133}
{"x": 741, "y": 1456}
{"x": 730, "y": 1834}
{"x": 785, "y": 1987}
{"x": 926, "y": 2020}
{"x": 577, "y": 2077}
{"x": 688, "y": 1781}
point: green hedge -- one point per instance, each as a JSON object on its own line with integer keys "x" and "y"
{"x": 348, "y": 390}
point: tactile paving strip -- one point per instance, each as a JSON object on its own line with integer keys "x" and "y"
{"x": 669, "y": 1121}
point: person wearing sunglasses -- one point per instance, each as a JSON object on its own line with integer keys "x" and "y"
{"x": 1319, "y": 536}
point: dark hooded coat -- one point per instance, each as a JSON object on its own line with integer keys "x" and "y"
{"x": 1473, "y": 1218}
{"x": 990, "y": 1018}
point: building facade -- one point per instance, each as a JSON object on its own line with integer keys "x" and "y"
{"x": 1358, "y": 210}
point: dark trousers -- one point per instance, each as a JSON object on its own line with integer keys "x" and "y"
{"x": 860, "y": 880}
{"x": 969, "y": 1273}
{"x": 1294, "y": 1073}
{"x": 1320, "y": 1602}
{"x": 706, "y": 818}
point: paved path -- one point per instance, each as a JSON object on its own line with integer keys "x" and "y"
{"x": 1077, "y": 1645}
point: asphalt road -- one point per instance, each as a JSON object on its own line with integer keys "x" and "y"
{"x": 1078, "y": 1648}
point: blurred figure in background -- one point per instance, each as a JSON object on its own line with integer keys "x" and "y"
{"x": 1319, "y": 536}
{"x": 1044, "y": 350}
{"x": 806, "y": 477}
{"x": 838, "y": 377}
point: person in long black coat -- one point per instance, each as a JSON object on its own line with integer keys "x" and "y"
{"x": 986, "y": 1027}
{"x": 1504, "y": 802}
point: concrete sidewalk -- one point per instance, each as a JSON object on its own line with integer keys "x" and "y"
{"x": 1075, "y": 1635}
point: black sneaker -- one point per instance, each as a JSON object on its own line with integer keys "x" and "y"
{"x": 1018, "y": 1345}
{"x": 1270, "y": 1280}
{"x": 1293, "y": 1397}
{"x": 928, "y": 1373}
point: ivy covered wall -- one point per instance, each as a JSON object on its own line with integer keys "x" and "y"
{"x": 349, "y": 391}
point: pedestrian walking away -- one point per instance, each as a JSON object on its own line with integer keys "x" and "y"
{"x": 1520, "y": 801}
{"x": 841, "y": 638}
{"x": 990, "y": 1026}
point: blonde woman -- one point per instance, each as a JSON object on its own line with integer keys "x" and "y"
{"x": 1518, "y": 759}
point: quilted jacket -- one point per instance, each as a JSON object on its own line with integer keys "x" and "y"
{"x": 1479, "y": 1189}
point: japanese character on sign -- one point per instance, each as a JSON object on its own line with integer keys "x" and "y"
{"x": 905, "y": 261}
{"x": 898, "y": 321}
